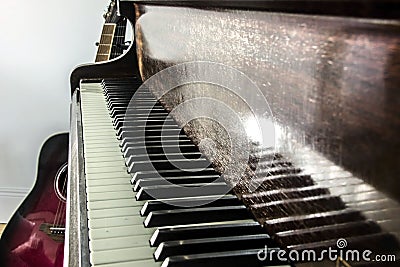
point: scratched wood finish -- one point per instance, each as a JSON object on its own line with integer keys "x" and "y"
{"x": 331, "y": 82}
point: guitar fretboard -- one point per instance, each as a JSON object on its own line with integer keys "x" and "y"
{"x": 106, "y": 42}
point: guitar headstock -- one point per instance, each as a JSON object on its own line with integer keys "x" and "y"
{"x": 111, "y": 10}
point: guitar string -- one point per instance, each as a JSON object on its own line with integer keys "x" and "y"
{"x": 60, "y": 203}
{"x": 59, "y": 206}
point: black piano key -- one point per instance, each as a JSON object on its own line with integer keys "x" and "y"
{"x": 167, "y": 165}
{"x": 108, "y": 92}
{"x": 126, "y": 120}
{"x": 230, "y": 258}
{"x": 114, "y": 102}
{"x": 151, "y": 132}
{"x": 293, "y": 207}
{"x": 266, "y": 154}
{"x": 174, "y": 180}
{"x": 156, "y": 142}
{"x": 147, "y": 132}
{"x": 270, "y": 163}
{"x": 131, "y": 123}
{"x": 124, "y": 102}
{"x": 147, "y": 128}
{"x": 284, "y": 193}
{"x": 137, "y": 111}
{"x": 121, "y": 117}
{"x": 312, "y": 220}
{"x": 126, "y": 85}
{"x": 144, "y": 123}
{"x": 135, "y": 107}
{"x": 326, "y": 232}
{"x": 284, "y": 181}
{"x": 204, "y": 231}
{"x": 278, "y": 170}
{"x": 119, "y": 126}
{"x": 115, "y": 109}
{"x": 162, "y": 156}
{"x": 156, "y": 149}
{"x": 174, "y": 191}
{"x": 112, "y": 96}
{"x": 158, "y": 109}
{"x": 120, "y": 87}
{"x": 124, "y": 117}
{"x": 211, "y": 201}
{"x": 171, "y": 173}
{"x": 196, "y": 215}
{"x": 208, "y": 245}
{"x": 119, "y": 84}
{"x": 122, "y": 110}
{"x": 129, "y": 141}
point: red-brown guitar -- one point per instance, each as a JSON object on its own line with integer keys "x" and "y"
{"x": 34, "y": 236}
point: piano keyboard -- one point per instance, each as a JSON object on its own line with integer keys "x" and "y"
{"x": 137, "y": 230}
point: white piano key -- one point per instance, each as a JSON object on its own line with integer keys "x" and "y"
{"x": 93, "y": 131}
{"x": 94, "y": 149}
{"x": 121, "y": 255}
{"x": 105, "y": 159}
{"x": 128, "y": 220}
{"x": 114, "y": 212}
{"x": 119, "y": 242}
{"x": 100, "y": 142}
{"x": 109, "y": 188}
{"x": 96, "y": 124}
{"x": 105, "y": 181}
{"x": 141, "y": 263}
{"x": 115, "y": 154}
{"x": 109, "y": 195}
{"x": 99, "y": 136}
{"x": 117, "y": 231}
{"x": 103, "y": 164}
{"x": 107, "y": 169}
{"x": 95, "y": 176}
{"x": 115, "y": 203}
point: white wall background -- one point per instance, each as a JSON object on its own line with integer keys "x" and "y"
{"x": 40, "y": 43}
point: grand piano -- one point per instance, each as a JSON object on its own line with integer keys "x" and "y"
{"x": 230, "y": 133}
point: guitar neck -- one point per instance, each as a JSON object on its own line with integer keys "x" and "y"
{"x": 106, "y": 42}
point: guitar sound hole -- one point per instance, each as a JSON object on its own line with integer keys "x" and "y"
{"x": 60, "y": 184}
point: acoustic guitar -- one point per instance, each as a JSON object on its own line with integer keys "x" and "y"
{"x": 34, "y": 236}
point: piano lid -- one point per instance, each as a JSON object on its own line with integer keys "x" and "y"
{"x": 331, "y": 82}
{"x": 385, "y": 9}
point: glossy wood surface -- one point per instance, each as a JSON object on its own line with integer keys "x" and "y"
{"x": 22, "y": 242}
{"x": 331, "y": 82}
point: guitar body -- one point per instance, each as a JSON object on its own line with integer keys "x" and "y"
{"x": 34, "y": 235}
